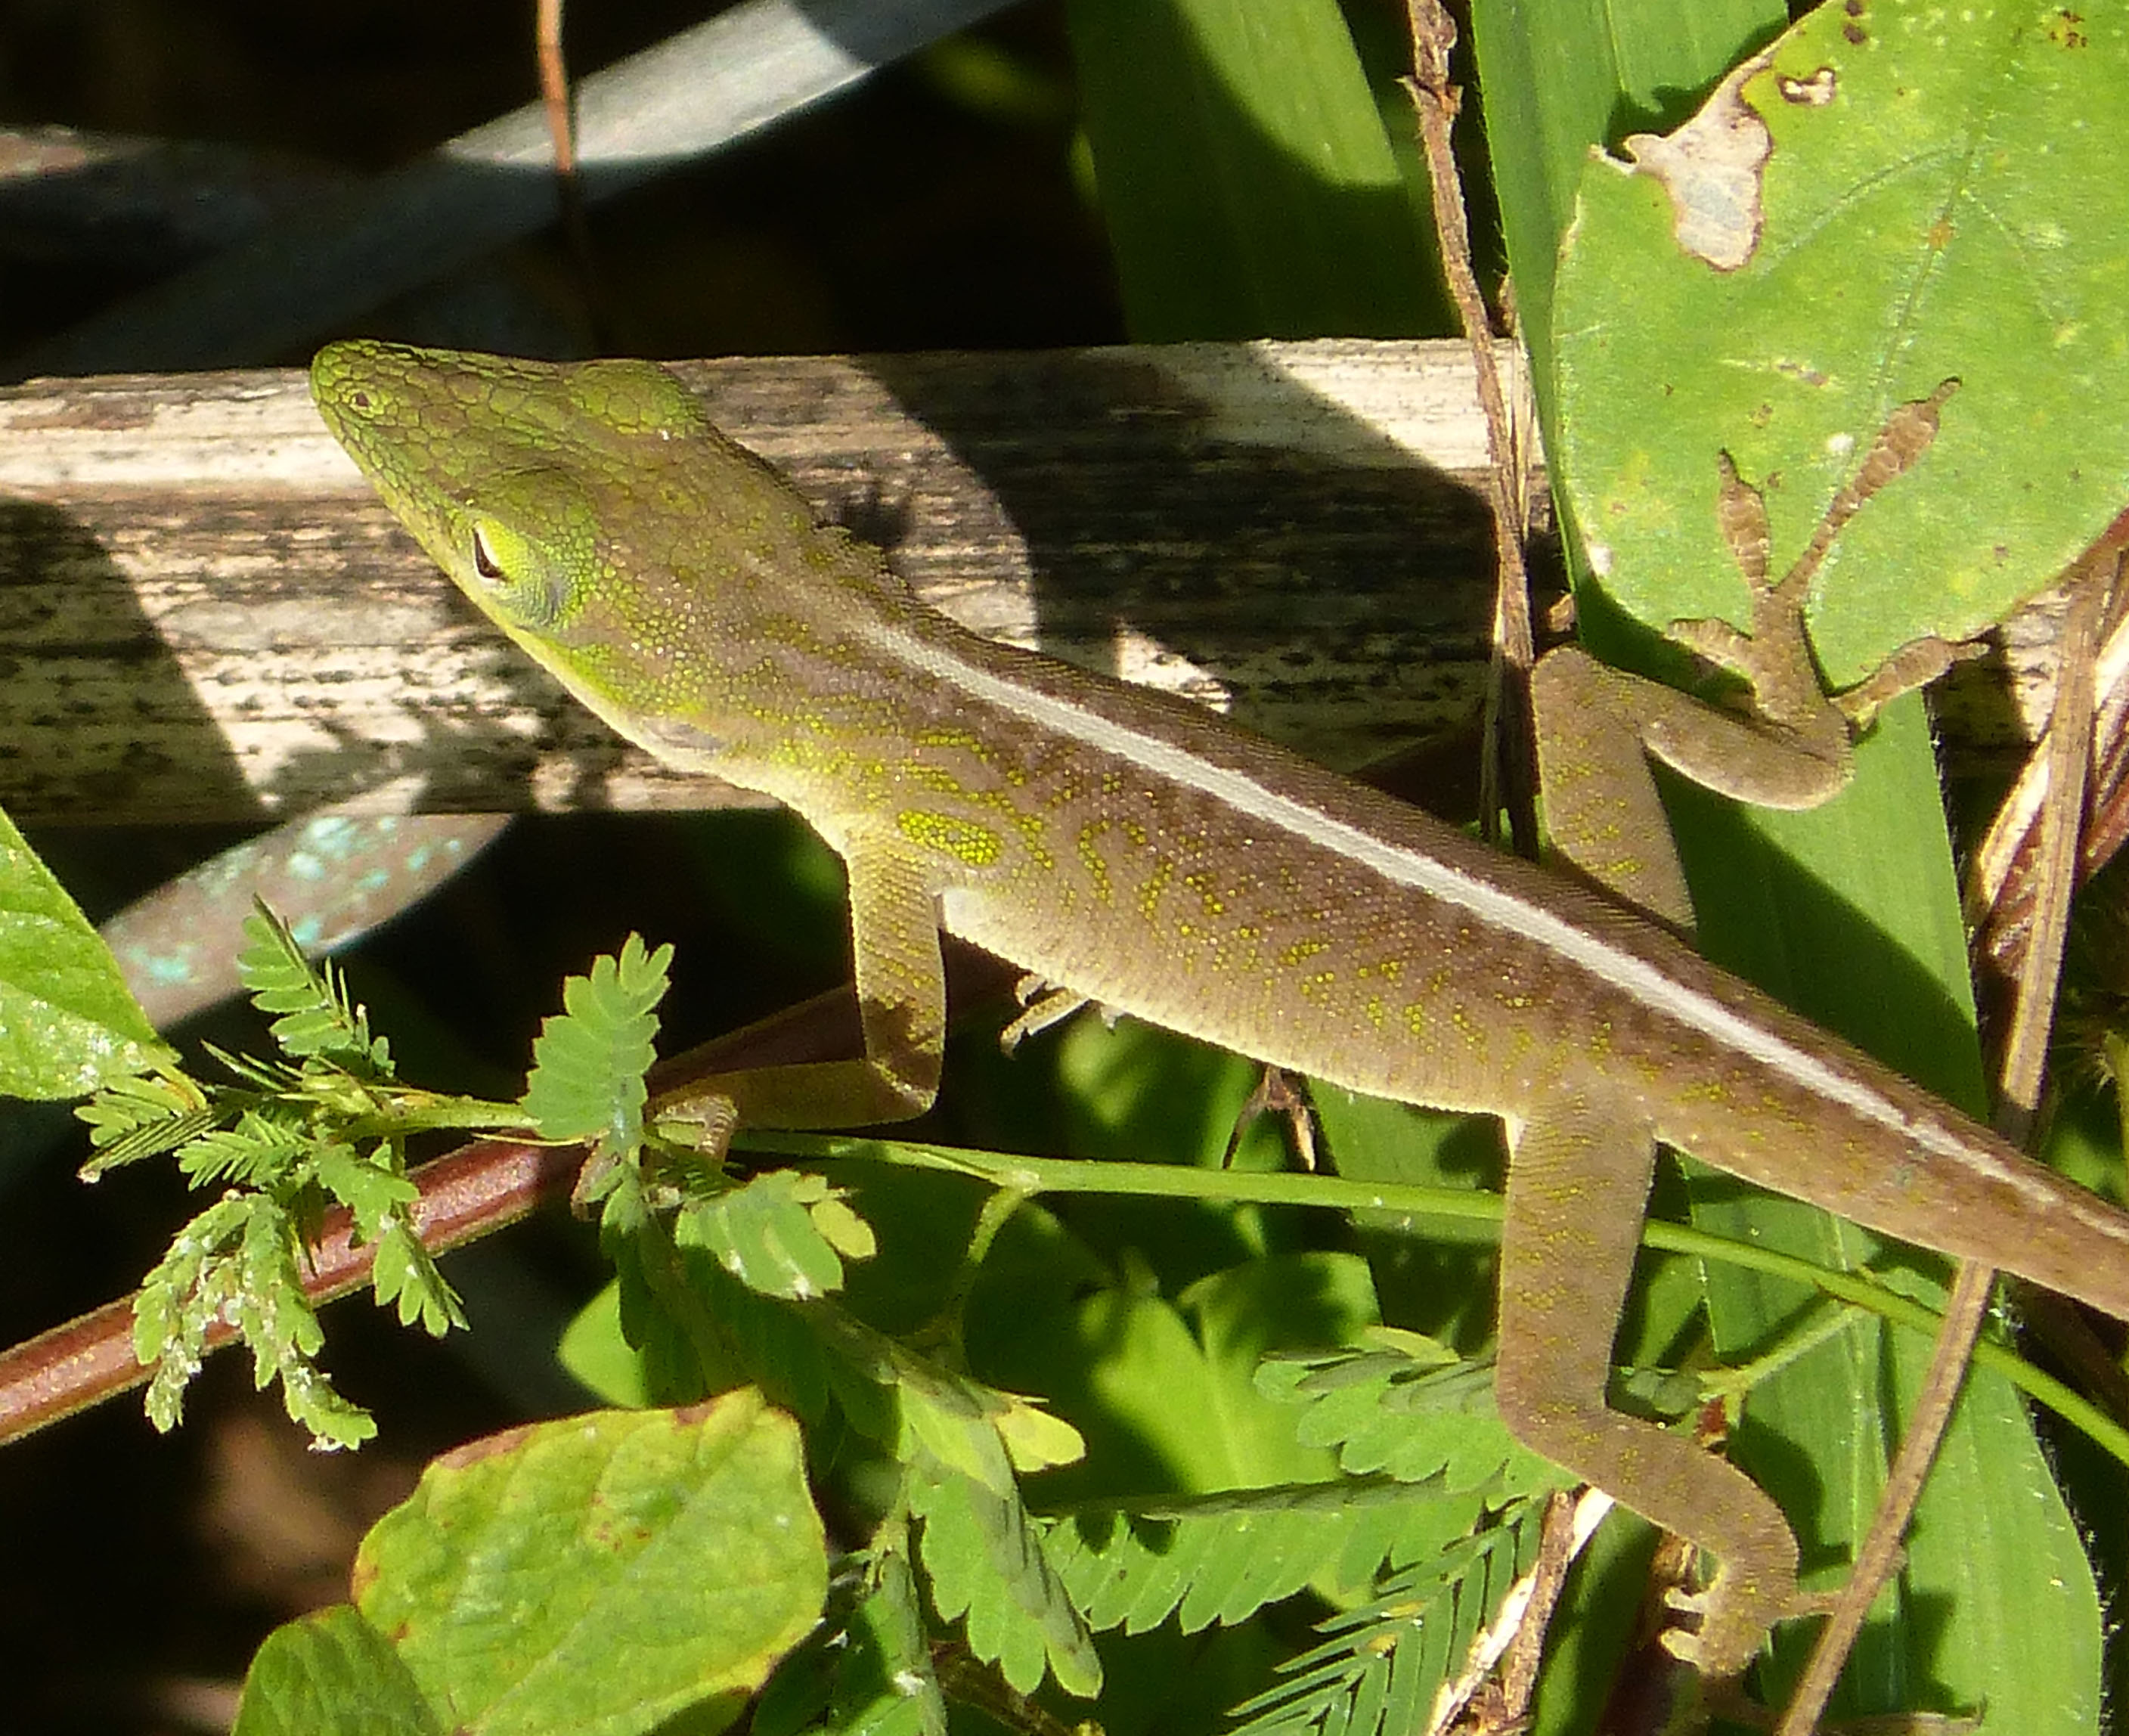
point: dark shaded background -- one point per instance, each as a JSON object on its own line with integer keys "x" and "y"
{"x": 934, "y": 207}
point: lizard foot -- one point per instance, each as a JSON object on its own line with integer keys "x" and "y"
{"x": 1734, "y": 1612}
{"x": 1045, "y": 1004}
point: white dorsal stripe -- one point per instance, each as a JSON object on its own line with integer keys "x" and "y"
{"x": 1490, "y": 903}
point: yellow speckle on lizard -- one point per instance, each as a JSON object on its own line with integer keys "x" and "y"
{"x": 977, "y": 845}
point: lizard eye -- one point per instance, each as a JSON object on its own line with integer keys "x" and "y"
{"x": 520, "y": 579}
{"x": 483, "y": 557}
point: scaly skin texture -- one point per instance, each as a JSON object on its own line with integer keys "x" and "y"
{"x": 1136, "y": 851}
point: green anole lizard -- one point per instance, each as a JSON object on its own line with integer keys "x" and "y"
{"x": 1128, "y": 849}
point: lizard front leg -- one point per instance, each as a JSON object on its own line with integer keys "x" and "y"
{"x": 1578, "y": 1176}
{"x": 901, "y": 1006}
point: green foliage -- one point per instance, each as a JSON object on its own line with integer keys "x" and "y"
{"x": 960, "y": 1444}
{"x": 589, "y": 1060}
{"x": 1409, "y": 1408}
{"x": 985, "y": 1562}
{"x": 788, "y": 1351}
{"x": 1380, "y": 1666}
{"x": 1415, "y": 1564}
{"x": 782, "y": 1234}
{"x": 1558, "y": 78}
{"x": 316, "y": 1019}
{"x": 493, "y": 1598}
{"x": 280, "y": 1147}
{"x": 144, "y": 1116}
{"x": 68, "y": 1023}
{"x": 324, "y": 1124}
{"x": 239, "y": 1262}
{"x": 1223, "y": 1557}
{"x": 734, "y": 1293}
{"x": 868, "y": 1669}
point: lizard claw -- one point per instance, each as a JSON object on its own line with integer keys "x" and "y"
{"x": 1733, "y": 1620}
{"x": 1043, "y": 1004}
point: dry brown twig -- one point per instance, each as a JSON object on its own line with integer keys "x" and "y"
{"x": 1505, "y": 771}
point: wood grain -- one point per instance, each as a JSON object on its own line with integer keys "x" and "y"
{"x": 205, "y": 615}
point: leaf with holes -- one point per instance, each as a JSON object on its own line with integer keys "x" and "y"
{"x": 1887, "y": 199}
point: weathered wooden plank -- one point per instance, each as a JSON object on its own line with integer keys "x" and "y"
{"x": 203, "y": 614}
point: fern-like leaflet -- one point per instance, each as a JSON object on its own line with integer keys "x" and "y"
{"x": 1381, "y": 1666}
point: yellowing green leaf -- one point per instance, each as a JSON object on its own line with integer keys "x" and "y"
{"x": 602, "y": 1573}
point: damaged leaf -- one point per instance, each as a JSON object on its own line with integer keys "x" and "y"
{"x": 1881, "y": 202}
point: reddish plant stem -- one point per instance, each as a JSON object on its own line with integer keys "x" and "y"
{"x": 481, "y": 1187}
{"x": 465, "y": 1194}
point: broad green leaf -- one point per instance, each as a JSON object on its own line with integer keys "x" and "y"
{"x": 1555, "y": 77}
{"x": 68, "y": 1025}
{"x": 597, "y": 1353}
{"x": 1939, "y": 200}
{"x": 603, "y": 1572}
{"x": 331, "y": 1674}
{"x": 1250, "y": 186}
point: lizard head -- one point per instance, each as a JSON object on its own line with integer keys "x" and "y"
{"x": 593, "y": 511}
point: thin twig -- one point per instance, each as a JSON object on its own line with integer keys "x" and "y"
{"x": 1966, "y": 1311}
{"x": 555, "y": 85}
{"x": 557, "y": 98}
{"x": 1505, "y": 771}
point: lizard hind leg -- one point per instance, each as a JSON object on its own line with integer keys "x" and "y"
{"x": 1577, "y": 1180}
{"x": 1790, "y": 746}
{"x": 1598, "y": 728}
